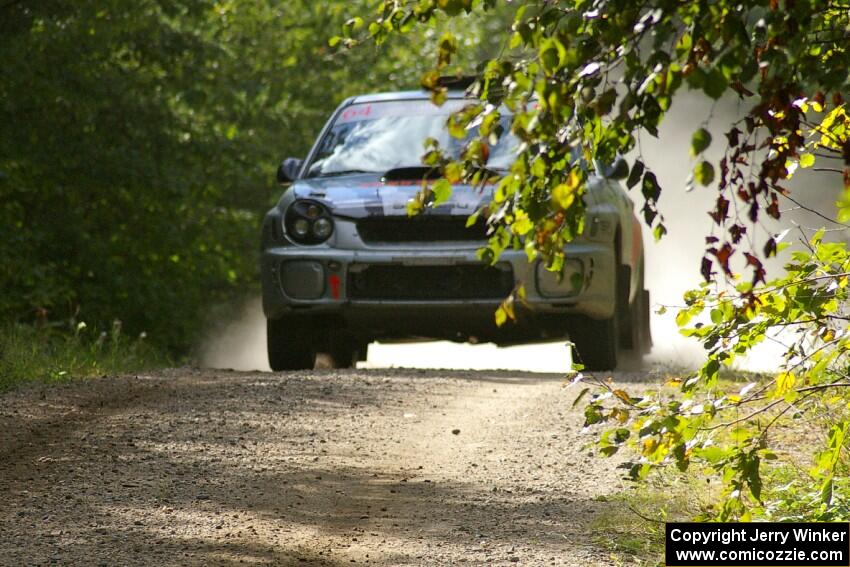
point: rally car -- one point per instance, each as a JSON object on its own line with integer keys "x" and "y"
{"x": 343, "y": 264}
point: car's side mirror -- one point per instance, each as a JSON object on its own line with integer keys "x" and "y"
{"x": 618, "y": 170}
{"x": 287, "y": 171}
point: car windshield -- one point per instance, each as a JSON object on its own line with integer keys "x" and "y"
{"x": 376, "y": 137}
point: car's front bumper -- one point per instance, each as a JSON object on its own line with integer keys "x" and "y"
{"x": 317, "y": 280}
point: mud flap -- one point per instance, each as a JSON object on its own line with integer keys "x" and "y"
{"x": 626, "y": 316}
{"x": 646, "y": 328}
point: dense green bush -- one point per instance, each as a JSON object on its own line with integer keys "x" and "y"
{"x": 139, "y": 144}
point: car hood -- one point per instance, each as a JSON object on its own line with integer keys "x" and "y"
{"x": 364, "y": 195}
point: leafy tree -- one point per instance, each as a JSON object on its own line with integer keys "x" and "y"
{"x": 139, "y": 143}
{"x": 591, "y": 78}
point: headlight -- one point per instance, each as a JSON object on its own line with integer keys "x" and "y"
{"x": 301, "y": 228}
{"x": 322, "y": 228}
{"x": 308, "y": 222}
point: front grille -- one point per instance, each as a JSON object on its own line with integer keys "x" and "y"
{"x": 393, "y": 281}
{"x": 421, "y": 228}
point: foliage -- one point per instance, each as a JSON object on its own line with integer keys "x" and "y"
{"x": 630, "y": 523}
{"x": 731, "y": 429}
{"x": 29, "y": 354}
{"x": 586, "y": 80}
{"x": 139, "y": 145}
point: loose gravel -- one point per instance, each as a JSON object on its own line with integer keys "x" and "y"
{"x": 374, "y": 467}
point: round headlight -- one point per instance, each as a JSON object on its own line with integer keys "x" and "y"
{"x": 313, "y": 211}
{"x": 308, "y": 222}
{"x": 322, "y": 228}
{"x": 300, "y": 228}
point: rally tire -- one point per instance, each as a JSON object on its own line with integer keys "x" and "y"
{"x": 596, "y": 344}
{"x": 289, "y": 345}
{"x": 635, "y": 331}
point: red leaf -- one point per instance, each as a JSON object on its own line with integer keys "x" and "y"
{"x": 721, "y": 210}
{"x": 754, "y": 211}
{"x": 741, "y": 89}
{"x": 737, "y": 231}
{"x": 758, "y": 272}
{"x": 773, "y": 209}
{"x": 705, "y": 269}
{"x": 733, "y": 137}
{"x": 770, "y": 248}
{"x": 723, "y": 255}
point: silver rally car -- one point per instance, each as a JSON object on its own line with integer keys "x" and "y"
{"x": 344, "y": 265}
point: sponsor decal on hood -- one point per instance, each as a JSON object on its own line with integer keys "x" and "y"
{"x": 364, "y": 195}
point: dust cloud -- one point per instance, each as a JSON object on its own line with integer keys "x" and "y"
{"x": 238, "y": 343}
{"x": 241, "y": 345}
{"x": 672, "y": 267}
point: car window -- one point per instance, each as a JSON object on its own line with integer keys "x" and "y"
{"x": 379, "y": 136}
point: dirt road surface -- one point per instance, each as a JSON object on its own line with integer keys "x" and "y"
{"x": 374, "y": 467}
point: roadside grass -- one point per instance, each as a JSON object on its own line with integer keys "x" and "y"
{"x": 631, "y": 526}
{"x": 30, "y": 354}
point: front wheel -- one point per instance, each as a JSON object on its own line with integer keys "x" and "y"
{"x": 289, "y": 345}
{"x": 596, "y": 343}
{"x": 646, "y": 330}
{"x": 636, "y": 331}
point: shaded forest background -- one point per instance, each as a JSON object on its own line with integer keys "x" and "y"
{"x": 139, "y": 144}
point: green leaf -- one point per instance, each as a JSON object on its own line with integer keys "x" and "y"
{"x": 592, "y": 415}
{"x": 650, "y": 188}
{"x": 700, "y": 141}
{"x": 784, "y": 382}
{"x": 552, "y": 55}
{"x": 446, "y": 48}
{"x": 581, "y": 394}
{"x": 713, "y": 454}
{"x": 522, "y": 224}
{"x": 454, "y": 172}
{"x": 635, "y": 174}
{"x": 442, "y": 190}
{"x": 516, "y": 41}
{"x": 715, "y": 83}
{"x": 752, "y": 474}
{"x": 501, "y": 316}
{"x": 807, "y": 160}
{"x": 826, "y": 491}
{"x": 564, "y": 194}
{"x": 704, "y": 173}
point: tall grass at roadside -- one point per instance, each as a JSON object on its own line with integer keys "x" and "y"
{"x": 55, "y": 354}
{"x": 630, "y": 525}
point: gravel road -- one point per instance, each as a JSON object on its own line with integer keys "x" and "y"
{"x": 376, "y": 467}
